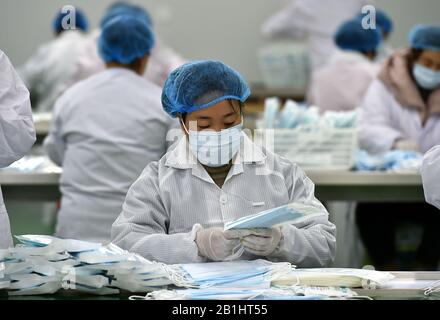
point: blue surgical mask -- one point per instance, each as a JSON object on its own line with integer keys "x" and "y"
{"x": 427, "y": 78}
{"x": 215, "y": 149}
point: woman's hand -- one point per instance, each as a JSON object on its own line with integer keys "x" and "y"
{"x": 260, "y": 242}
{"x": 216, "y": 244}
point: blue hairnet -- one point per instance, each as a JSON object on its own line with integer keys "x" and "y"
{"x": 352, "y": 36}
{"x": 383, "y": 21}
{"x": 80, "y": 21}
{"x": 121, "y": 8}
{"x": 425, "y": 37}
{"x": 125, "y": 39}
{"x": 202, "y": 84}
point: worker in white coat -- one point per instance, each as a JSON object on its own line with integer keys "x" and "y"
{"x": 176, "y": 210}
{"x": 52, "y": 70}
{"x": 401, "y": 109}
{"x": 162, "y": 60}
{"x": 341, "y": 84}
{"x": 106, "y": 130}
{"x": 431, "y": 176}
{"x": 17, "y": 132}
{"x": 314, "y": 20}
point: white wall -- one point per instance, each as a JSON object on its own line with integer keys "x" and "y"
{"x": 199, "y": 29}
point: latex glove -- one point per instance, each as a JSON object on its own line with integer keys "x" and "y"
{"x": 260, "y": 242}
{"x": 216, "y": 244}
{"x": 406, "y": 145}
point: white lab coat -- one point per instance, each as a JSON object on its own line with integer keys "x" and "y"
{"x": 341, "y": 84}
{"x": 383, "y": 120}
{"x": 162, "y": 61}
{"x": 52, "y": 69}
{"x": 163, "y": 207}
{"x": 314, "y": 20}
{"x": 106, "y": 130}
{"x": 17, "y": 132}
{"x": 431, "y": 176}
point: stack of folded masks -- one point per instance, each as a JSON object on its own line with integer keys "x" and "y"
{"x": 255, "y": 274}
{"x": 290, "y": 213}
{"x": 44, "y": 265}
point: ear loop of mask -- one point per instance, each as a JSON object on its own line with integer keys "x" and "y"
{"x": 183, "y": 124}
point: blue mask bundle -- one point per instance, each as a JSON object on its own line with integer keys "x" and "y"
{"x": 254, "y": 274}
{"x": 392, "y": 160}
{"x": 290, "y": 213}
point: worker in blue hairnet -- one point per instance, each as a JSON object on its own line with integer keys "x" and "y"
{"x": 401, "y": 111}
{"x": 106, "y": 130}
{"x": 176, "y": 210}
{"x": 52, "y": 69}
{"x": 17, "y": 132}
{"x": 162, "y": 60}
{"x": 315, "y": 21}
{"x": 385, "y": 25}
{"x": 343, "y": 82}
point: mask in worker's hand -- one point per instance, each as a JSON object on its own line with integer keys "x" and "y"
{"x": 426, "y": 78}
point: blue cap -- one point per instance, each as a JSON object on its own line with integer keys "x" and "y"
{"x": 122, "y": 8}
{"x": 80, "y": 21}
{"x": 352, "y": 36}
{"x": 125, "y": 39}
{"x": 425, "y": 37}
{"x": 201, "y": 84}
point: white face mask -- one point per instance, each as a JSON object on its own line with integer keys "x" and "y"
{"x": 427, "y": 78}
{"x": 215, "y": 149}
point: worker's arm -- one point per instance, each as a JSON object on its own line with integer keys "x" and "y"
{"x": 311, "y": 243}
{"x": 376, "y": 134}
{"x": 54, "y": 144}
{"x": 17, "y": 132}
{"x": 142, "y": 226}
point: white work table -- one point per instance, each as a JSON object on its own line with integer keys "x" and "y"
{"x": 330, "y": 185}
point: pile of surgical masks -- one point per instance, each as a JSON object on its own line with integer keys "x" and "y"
{"x": 255, "y": 274}
{"x": 290, "y": 213}
{"x": 397, "y": 160}
{"x": 260, "y": 279}
{"x": 293, "y": 115}
{"x": 44, "y": 265}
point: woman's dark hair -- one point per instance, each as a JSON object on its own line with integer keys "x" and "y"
{"x": 413, "y": 56}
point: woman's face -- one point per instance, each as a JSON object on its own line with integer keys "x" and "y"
{"x": 430, "y": 59}
{"x": 220, "y": 116}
